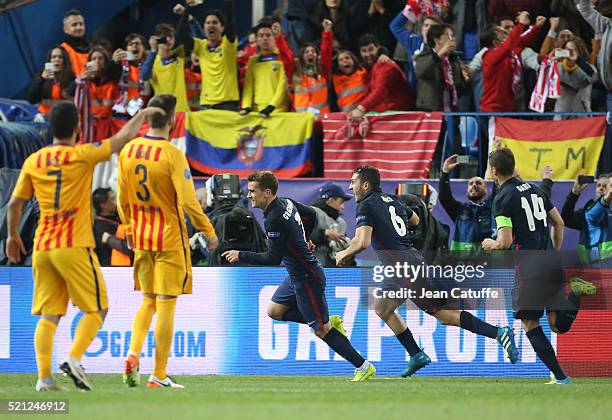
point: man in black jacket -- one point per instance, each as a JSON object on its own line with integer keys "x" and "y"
{"x": 577, "y": 220}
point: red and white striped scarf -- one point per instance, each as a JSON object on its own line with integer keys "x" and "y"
{"x": 547, "y": 86}
{"x": 449, "y": 82}
{"x": 83, "y": 104}
{"x": 517, "y": 72}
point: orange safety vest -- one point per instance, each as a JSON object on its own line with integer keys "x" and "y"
{"x": 78, "y": 60}
{"x": 118, "y": 258}
{"x": 193, "y": 85}
{"x": 56, "y": 96}
{"x": 311, "y": 93}
{"x": 103, "y": 98}
{"x": 350, "y": 89}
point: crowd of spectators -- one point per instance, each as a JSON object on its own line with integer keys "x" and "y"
{"x": 352, "y": 56}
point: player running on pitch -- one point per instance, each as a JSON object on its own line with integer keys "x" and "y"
{"x": 522, "y": 213}
{"x": 154, "y": 190}
{"x": 382, "y": 221}
{"x": 301, "y": 297}
{"x": 64, "y": 263}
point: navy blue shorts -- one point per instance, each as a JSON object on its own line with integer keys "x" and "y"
{"x": 306, "y": 292}
{"x": 429, "y": 305}
{"x": 536, "y": 293}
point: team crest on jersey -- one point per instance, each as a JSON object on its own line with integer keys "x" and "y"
{"x": 250, "y": 144}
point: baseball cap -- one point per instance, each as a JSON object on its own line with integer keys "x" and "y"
{"x": 333, "y": 190}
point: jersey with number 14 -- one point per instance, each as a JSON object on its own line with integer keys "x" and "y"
{"x": 524, "y": 208}
{"x": 155, "y": 189}
{"x": 60, "y": 178}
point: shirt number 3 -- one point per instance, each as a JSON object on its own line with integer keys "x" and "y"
{"x": 145, "y": 195}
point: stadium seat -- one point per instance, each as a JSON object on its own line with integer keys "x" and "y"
{"x": 468, "y": 127}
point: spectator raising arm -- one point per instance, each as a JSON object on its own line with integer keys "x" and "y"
{"x": 327, "y": 38}
{"x": 285, "y": 54}
{"x": 497, "y": 55}
{"x": 573, "y": 219}
{"x": 549, "y": 42}
{"x": 529, "y": 36}
{"x": 602, "y": 25}
{"x": 449, "y": 203}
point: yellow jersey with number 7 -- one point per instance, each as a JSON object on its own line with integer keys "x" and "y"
{"x": 60, "y": 177}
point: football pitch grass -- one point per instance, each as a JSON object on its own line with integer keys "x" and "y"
{"x": 327, "y": 397}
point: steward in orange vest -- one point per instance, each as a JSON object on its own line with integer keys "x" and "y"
{"x": 75, "y": 44}
{"x": 53, "y": 83}
{"x": 97, "y": 87}
{"x": 349, "y": 81}
{"x": 78, "y": 59}
{"x": 312, "y": 75}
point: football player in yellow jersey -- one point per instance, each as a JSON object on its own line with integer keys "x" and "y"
{"x": 64, "y": 263}
{"x": 155, "y": 190}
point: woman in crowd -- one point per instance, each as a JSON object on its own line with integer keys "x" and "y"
{"x": 312, "y": 74}
{"x": 577, "y": 77}
{"x": 53, "y": 83}
{"x": 96, "y": 86}
{"x": 349, "y": 81}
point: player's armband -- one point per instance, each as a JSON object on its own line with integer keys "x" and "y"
{"x": 503, "y": 221}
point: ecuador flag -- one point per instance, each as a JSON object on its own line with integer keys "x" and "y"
{"x": 570, "y": 147}
{"x": 224, "y": 141}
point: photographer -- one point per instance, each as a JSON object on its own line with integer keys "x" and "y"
{"x": 593, "y": 221}
{"x": 329, "y": 234}
{"x": 165, "y": 66}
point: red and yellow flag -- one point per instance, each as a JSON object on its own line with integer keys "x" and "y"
{"x": 570, "y": 147}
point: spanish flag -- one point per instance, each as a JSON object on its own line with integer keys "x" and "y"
{"x": 224, "y": 141}
{"x": 570, "y": 147}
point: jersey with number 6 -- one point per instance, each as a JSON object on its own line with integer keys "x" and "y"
{"x": 389, "y": 219}
{"x": 60, "y": 178}
{"x": 154, "y": 190}
{"x": 524, "y": 208}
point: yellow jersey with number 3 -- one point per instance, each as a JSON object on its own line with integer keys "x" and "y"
{"x": 154, "y": 191}
{"x": 60, "y": 177}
